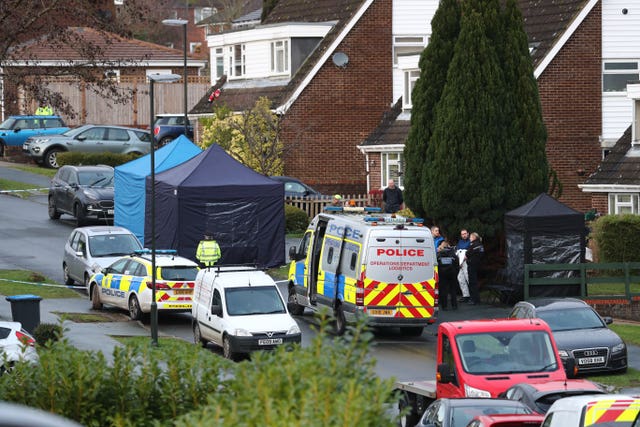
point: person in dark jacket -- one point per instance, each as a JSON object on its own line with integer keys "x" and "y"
{"x": 447, "y": 272}
{"x": 392, "y": 198}
{"x": 475, "y": 253}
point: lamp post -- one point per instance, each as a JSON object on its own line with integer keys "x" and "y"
{"x": 155, "y": 78}
{"x": 183, "y": 23}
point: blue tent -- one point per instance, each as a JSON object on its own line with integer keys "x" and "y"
{"x": 129, "y": 183}
{"x": 213, "y": 193}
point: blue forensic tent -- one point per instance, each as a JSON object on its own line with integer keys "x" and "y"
{"x": 129, "y": 182}
{"x": 215, "y": 194}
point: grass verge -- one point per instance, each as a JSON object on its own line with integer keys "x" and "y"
{"x": 280, "y": 273}
{"x": 33, "y": 169}
{"x": 8, "y": 185}
{"x": 84, "y": 317}
{"x": 11, "y": 284}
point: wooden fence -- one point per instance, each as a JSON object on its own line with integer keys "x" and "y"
{"x": 315, "y": 206}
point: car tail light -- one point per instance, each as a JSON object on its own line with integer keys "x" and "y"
{"x": 156, "y": 130}
{"x": 360, "y": 290}
{"x": 25, "y": 338}
{"x": 159, "y": 285}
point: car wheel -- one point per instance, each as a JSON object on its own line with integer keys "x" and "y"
{"x": 96, "y": 304}
{"x": 164, "y": 141}
{"x": 51, "y": 158}
{"x": 293, "y": 306}
{"x": 65, "y": 273}
{"x": 226, "y": 348}
{"x": 197, "y": 336}
{"x": 340, "y": 321}
{"x": 134, "y": 308}
{"x": 412, "y": 331}
{"x": 78, "y": 212}
{"x": 53, "y": 211}
{"x": 410, "y": 418}
{"x": 1, "y": 149}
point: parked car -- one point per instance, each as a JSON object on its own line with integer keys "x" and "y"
{"x": 507, "y": 420}
{"x": 14, "y": 414}
{"x": 127, "y": 283}
{"x": 88, "y": 138}
{"x": 15, "y": 130}
{"x": 540, "y": 396}
{"x": 580, "y": 333}
{"x": 83, "y": 192}
{"x": 16, "y": 345}
{"x": 168, "y": 127}
{"x": 603, "y": 410}
{"x": 90, "y": 249}
{"x": 459, "y": 412}
{"x": 295, "y": 188}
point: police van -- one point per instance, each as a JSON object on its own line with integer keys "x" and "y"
{"x": 240, "y": 309}
{"x": 358, "y": 262}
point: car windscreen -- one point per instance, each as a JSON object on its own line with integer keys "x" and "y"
{"x": 179, "y": 272}
{"x": 113, "y": 245}
{"x": 461, "y": 416}
{"x": 574, "y": 318}
{"x": 253, "y": 300}
{"x": 490, "y": 353}
{"x": 7, "y": 124}
{"x": 96, "y": 178}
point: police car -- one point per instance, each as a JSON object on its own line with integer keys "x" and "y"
{"x": 127, "y": 283}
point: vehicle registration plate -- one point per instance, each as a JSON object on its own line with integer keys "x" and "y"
{"x": 590, "y": 360}
{"x": 183, "y": 291}
{"x": 270, "y": 341}
{"x": 381, "y": 312}
{"x": 110, "y": 211}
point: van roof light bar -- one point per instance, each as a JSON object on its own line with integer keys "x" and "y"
{"x": 146, "y": 251}
{"x": 352, "y": 209}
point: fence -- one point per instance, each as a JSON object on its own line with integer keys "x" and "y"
{"x": 584, "y": 275}
{"x": 315, "y": 206}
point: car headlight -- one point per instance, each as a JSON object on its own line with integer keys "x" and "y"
{"x": 475, "y": 392}
{"x": 293, "y": 330}
{"x": 239, "y": 332}
{"x": 563, "y": 354}
{"x": 618, "y": 348}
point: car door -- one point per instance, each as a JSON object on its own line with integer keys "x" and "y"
{"x": 77, "y": 262}
{"x": 116, "y": 140}
{"x": 68, "y": 191}
{"x": 111, "y": 282}
{"x": 91, "y": 140}
{"x": 216, "y": 322}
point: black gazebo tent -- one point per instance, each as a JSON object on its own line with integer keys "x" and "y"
{"x": 543, "y": 231}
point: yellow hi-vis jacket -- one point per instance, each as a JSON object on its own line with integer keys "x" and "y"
{"x": 44, "y": 111}
{"x": 208, "y": 252}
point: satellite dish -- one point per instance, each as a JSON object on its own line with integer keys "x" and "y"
{"x": 340, "y": 59}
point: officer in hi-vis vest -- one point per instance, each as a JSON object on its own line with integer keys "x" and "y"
{"x": 208, "y": 252}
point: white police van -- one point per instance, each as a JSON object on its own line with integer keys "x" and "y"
{"x": 240, "y": 309}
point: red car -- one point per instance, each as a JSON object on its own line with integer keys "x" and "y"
{"x": 507, "y": 420}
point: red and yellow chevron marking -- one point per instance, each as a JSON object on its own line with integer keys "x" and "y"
{"x": 412, "y": 300}
{"x": 611, "y": 410}
{"x": 163, "y": 296}
{"x": 180, "y": 285}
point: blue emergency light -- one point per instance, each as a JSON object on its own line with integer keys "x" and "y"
{"x": 146, "y": 251}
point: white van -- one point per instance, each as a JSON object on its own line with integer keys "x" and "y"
{"x": 241, "y": 310}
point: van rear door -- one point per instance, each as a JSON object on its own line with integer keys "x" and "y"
{"x": 400, "y": 278}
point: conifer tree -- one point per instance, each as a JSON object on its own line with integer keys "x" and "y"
{"x": 434, "y": 62}
{"x": 462, "y": 185}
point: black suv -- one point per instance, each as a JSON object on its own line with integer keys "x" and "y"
{"x": 83, "y": 192}
{"x": 170, "y": 126}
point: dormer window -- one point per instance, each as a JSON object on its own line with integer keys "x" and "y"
{"x": 616, "y": 75}
{"x": 410, "y": 78}
{"x": 280, "y": 56}
{"x": 237, "y": 60}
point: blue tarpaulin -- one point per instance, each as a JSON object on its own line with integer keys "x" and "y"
{"x": 129, "y": 182}
{"x": 213, "y": 193}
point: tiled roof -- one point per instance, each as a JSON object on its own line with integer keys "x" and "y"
{"x": 312, "y": 11}
{"x": 621, "y": 166}
{"x": 112, "y": 46}
{"x": 390, "y": 130}
{"x": 546, "y": 20}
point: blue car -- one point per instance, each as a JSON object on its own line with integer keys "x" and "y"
{"x": 15, "y": 130}
{"x": 170, "y": 126}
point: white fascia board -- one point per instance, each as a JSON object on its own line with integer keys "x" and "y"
{"x": 61, "y": 63}
{"x": 633, "y": 90}
{"x": 609, "y": 188}
{"x": 270, "y": 32}
{"x": 380, "y": 148}
{"x": 564, "y": 38}
{"x": 325, "y": 56}
{"x": 409, "y": 62}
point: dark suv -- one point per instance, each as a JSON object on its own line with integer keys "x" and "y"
{"x": 83, "y": 192}
{"x": 15, "y": 130}
{"x": 170, "y": 126}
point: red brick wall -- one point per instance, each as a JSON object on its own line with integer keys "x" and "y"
{"x": 570, "y": 92}
{"x": 340, "y": 107}
{"x": 600, "y": 201}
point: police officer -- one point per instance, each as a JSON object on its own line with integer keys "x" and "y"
{"x": 44, "y": 111}
{"x": 208, "y": 252}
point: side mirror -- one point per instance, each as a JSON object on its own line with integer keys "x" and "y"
{"x": 79, "y": 253}
{"x": 608, "y": 320}
{"x": 293, "y": 253}
{"x": 81, "y": 138}
{"x": 216, "y": 310}
{"x": 16, "y": 130}
{"x": 444, "y": 374}
{"x": 570, "y": 368}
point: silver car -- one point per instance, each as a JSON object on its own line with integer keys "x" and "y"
{"x": 89, "y": 249}
{"x": 88, "y": 139}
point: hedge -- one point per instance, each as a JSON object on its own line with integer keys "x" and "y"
{"x": 617, "y": 238}
{"x": 86, "y": 159}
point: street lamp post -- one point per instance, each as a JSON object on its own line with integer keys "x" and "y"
{"x": 183, "y": 23}
{"x": 155, "y": 78}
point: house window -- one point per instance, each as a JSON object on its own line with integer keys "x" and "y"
{"x": 410, "y": 78}
{"x": 616, "y": 75}
{"x": 201, "y": 13}
{"x": 280, "y": 56}
{"x": 195, "y": 47}
{"x": 408, "y": 45}
{"x": 236, "y": 60}
{"x": 219, "y": 62}
{"x": 623, "y": 203}
{"x": 392, "y": 168}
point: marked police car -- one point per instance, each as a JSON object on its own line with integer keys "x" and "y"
{"x": 127, "y": 283}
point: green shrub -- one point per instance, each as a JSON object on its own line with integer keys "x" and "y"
{"x": 617, "y": 237}
{"x": 86, "y": 159}
{"x": 47, "y": 333}
{"x": 296, "y": 219}
{"x": 406, "y": 212}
